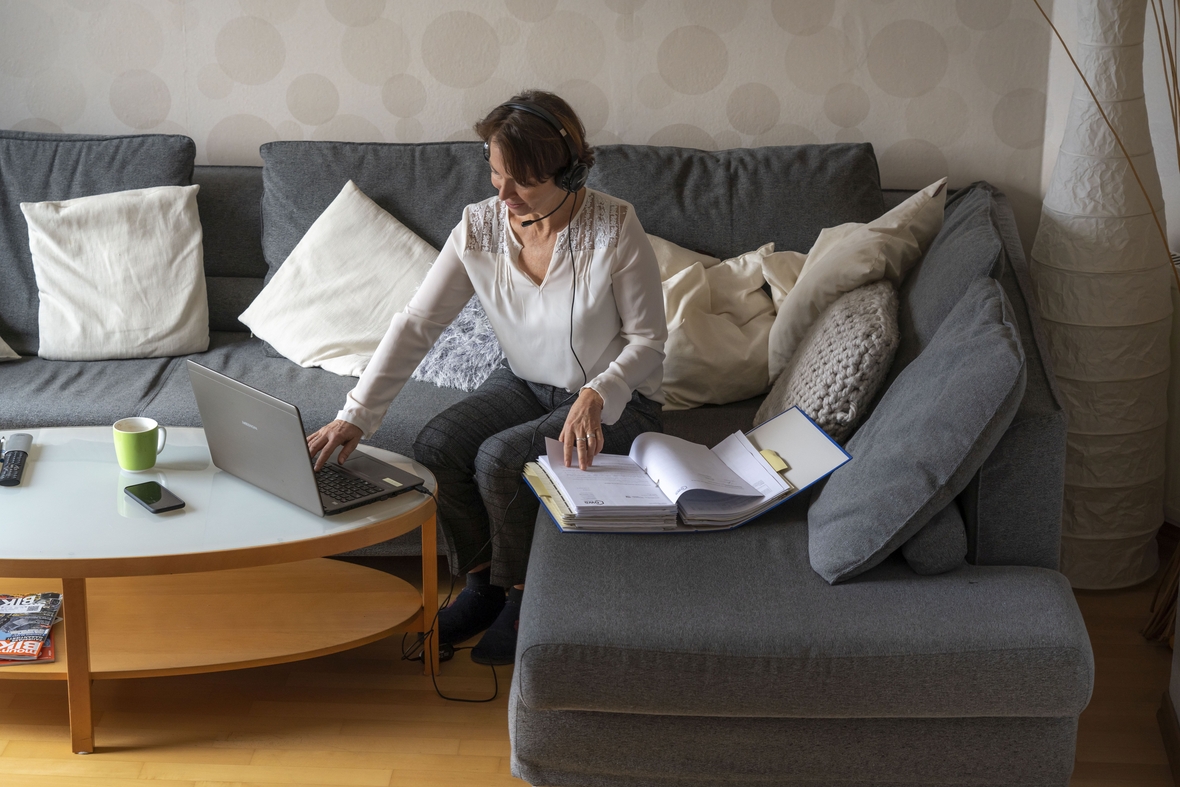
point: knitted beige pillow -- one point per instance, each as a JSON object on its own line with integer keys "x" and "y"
{"x": 841, "y": 361}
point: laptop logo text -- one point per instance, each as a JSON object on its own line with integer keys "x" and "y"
{"x": 252, "y": 426}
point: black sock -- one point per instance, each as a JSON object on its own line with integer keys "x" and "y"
{"x": 472, "y": 611}
{"x": 498, "y": 645}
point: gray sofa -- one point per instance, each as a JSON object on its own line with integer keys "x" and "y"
{"x": 649, "y": 660}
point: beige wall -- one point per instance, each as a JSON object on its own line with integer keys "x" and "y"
{"x": 938, "y": 87}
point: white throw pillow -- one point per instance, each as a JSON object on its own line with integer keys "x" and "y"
{"x": 119, "y": 275}
{"x": 332, "y": 299}
{"x": 7, "y": 353}
{"x": 718, "y": 322}
{"x": 844, "y": 258}
{"x": 672, "y": 259}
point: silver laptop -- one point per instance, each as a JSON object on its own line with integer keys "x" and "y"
{"x": 260, "y": 439}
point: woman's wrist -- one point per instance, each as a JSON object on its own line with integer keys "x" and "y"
{"x": 593, "y": 396}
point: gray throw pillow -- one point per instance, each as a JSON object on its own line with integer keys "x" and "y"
{"x": 466, "y": 353}
{"x": 941, "y": 545}
{"x": 38, "y": 167}
{"x": 926, "y": 438}
{"x": 841, "y": 361}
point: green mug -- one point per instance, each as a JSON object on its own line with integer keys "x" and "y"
{"x": 137, "y": 443}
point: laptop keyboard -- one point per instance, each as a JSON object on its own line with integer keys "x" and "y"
{"x": 342, "y": 487}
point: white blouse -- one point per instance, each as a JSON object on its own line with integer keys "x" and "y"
{"x": 619, "y": 328}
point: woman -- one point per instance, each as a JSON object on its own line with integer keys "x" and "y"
{"x": 570, "y": 284}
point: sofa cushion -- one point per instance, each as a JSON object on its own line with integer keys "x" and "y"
{"x": 231, "y": 214}
{"x": 710, "y": 424}
{"x": 841, "y": 362}
{"x": 929, "y": 435}
{"x": 941, "y": 545}
{"x": 38, "y": 167}
{"x": 331, "y": 302}
{"x": 119, "y": 275}
{"x": 1012, "y": 507}
{"x": 425, "y": 186}
{"x": 727, "y": 202}
{"x": 37, "y": 392}
{"x": 718, "y": 320}
{"x": 465, "y": 354}
{"x": 736, "y": 624}
{"x": 847, "y": 257}
{"x": 966, "y": 249}
{"x": 318, "y": 394}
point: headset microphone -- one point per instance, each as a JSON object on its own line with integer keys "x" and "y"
{"x": 547, "y": 215}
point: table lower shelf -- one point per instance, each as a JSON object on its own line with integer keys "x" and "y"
{"x": 181, "y": 624}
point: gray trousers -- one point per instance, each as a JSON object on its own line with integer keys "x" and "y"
{"x": 477, "y": 450}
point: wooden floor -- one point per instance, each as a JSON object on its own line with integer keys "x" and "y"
{"x": 367, "y": 718}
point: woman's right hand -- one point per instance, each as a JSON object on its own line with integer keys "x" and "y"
{"x": 324, "y": 441}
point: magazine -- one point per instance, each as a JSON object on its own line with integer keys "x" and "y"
{"x": 25, "y": 623}
{"x": 48, "y": 655}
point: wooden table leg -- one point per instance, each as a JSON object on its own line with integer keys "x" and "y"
{"x": 430, "y": 664}
{"x": 78, "y": 665}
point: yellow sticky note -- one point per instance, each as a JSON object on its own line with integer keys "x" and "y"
{"x": 774, "y": 460}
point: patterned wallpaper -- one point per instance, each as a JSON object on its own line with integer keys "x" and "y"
{"x": 939, "y": 87}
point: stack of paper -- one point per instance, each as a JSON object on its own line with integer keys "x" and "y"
{"x": 614, "y": 492}
{"x": 669, "y": 484}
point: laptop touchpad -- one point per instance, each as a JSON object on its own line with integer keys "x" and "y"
{"x": 366, "y": 465}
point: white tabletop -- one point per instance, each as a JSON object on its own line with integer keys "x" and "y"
{"x": 71, "y": 505}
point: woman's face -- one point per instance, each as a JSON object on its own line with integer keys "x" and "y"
{"x": 522, "y": 200}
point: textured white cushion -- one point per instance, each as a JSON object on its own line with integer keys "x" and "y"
{"x": 844, "y": 258}
{"x": 718, "y": 322}
{"x": 119, "y": 275}
{"x": 841, "y": 362}
{"x": 466, "y": 354}
{"x": 6, "y": 352}
{"x": 331, "y": 301}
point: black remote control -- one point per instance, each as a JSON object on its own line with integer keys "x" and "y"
{"x": 16, "y": 451}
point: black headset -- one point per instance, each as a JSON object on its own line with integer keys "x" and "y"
{"x": 574, "y": 176}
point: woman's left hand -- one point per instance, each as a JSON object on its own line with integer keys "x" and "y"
{"x": 583, "y": 429}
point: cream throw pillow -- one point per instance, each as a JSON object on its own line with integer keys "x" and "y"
{"x": 672, "y": 259}
{"x": 7, "y": 353}
{"x": 844, "y": 258}
{"x": 718, "y": 322}
{"x": 332, "y": 299}
{"x": 119, "y": 275}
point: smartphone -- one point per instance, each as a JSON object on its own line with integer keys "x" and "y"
{"x": 154, "y": 497}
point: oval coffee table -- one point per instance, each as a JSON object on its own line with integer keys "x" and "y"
{"x": 238, "y": 578}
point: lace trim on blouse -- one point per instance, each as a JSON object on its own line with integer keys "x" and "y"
{"x": 483, "y": 228}
{"x": 596, "y": 226}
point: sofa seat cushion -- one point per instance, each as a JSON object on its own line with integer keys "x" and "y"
{"x": 712, "y": 423}
{"x": 38, "y": 393}
{"x": 318, "y": 394}
{"x": 737, "y": 624}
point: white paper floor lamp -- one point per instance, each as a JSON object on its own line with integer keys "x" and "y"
{"x": 1104, "y": 293}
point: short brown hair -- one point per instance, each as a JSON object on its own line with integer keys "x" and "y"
{"x": 533, "y": 150}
